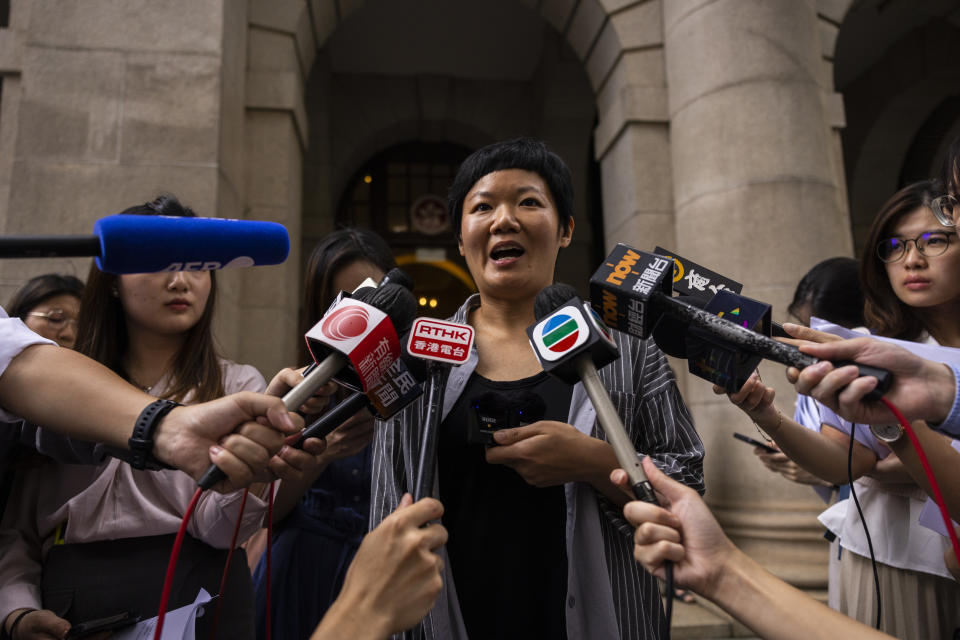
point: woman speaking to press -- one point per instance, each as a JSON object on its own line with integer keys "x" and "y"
{"x": 537, "y": 547}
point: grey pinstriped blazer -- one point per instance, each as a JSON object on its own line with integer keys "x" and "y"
{"x": 609, "y": 595}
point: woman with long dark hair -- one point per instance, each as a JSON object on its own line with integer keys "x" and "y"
{"x": 322, "y": 516}
{"x": 86, "y": 542}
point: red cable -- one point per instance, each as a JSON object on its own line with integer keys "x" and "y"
{"x": 937, "y": 496}
{"x": 226, "y": 567}
{"x": 269, "y": 545}
{"x": 172, "y": 565}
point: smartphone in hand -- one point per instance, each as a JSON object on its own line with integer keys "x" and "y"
{"x": 110, "y": 623}
{"x": 754, "y": 442}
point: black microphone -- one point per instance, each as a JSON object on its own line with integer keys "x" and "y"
{"x": 357, "y": 335}
{"x": 571, "y": 343}
{"x": 443, "y": 344}
{"x": 399, "y": 386}
{"x": 126, "y": 243}
{"x": 631, "y": 291}
{"x": 493, "y": 411}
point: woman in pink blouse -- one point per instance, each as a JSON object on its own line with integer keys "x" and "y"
{"x": 84, "y": 542}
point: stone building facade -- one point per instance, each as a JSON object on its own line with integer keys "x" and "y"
{"x": 756, "y": 137}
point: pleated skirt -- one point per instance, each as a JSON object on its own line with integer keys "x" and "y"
{"x": 915, "y": 605}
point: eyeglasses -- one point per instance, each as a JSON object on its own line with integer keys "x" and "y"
{"x": 930, "y": 244}
{"x": 55, "y": 317}
{"x": 944, "y": 208}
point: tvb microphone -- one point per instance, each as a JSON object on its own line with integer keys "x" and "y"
{"x": 632, "y": 292}
{"x": 359, "y": 332}
{"x": 571, "y": 344}
{"x": 443, "y": 344}
{"x": 127, "y": 243}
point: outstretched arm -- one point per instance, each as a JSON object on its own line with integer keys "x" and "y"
{"x": 683, "y": 531}
{"x": 817, "y": 452}
{"x": 922, "y": 389}
{"x": 76, "y": 396}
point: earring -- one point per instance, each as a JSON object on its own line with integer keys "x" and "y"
{"x": 114, "y": 291}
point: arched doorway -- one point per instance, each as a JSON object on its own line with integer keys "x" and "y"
{"x": 400, "y": 193}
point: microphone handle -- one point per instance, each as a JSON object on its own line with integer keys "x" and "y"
{"x": 332, "y": 419}
{"x": 50, "y": 247}
{"x": 316, "y": 378}
{"x": 760, "y": 344}
{"x": 292, "y": 401}
{"x": 613, "y": 428}
{"x": 431, "y": 429}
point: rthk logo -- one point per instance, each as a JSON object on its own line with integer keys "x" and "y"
{"x": 440, "y": 340}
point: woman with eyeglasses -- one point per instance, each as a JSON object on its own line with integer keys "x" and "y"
{"x": 49, "y": 305}
{"x": 912, "y": 292}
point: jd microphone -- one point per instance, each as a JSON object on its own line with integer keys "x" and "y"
{"x": 571, "y": 344}
{"x": 127, "y": 243}
{"x": 360, "y": 331}
{"x": 632, "y": 292}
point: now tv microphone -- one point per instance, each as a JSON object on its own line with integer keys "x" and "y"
{"x": 631, "y": 291}
{"x": 357, "y": 333}
{"x": 126, "y": 243}
{"x": 571, "y": 343}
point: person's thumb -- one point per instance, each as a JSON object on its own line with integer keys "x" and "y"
{"x": 661, "y": 482}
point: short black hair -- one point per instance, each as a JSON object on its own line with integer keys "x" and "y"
{"x": 163, "y": 205}
{"x": 527, "y": 154}
{"x": 832, "y": 288}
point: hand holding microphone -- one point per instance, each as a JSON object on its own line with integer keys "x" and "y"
{"x": 632, "y": 292}
{"x": 571, "y": 343}
{"x": 356, "y": 338}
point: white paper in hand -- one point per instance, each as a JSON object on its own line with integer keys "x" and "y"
{"x": 178, "y": 624}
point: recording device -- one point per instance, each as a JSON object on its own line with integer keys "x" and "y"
{"x": 571, "y": 342}
{"x": 754, "y": 442}
{"x": 126, "y": 243}
{"x": 631, "y": 291}
{"x": 491, "y": 412}
{"x": 357, "y": 339}
{"x": 443, "y": 344}
{"x": 110, "y": 623}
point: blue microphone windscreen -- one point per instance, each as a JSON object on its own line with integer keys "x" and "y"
{"x": 147, "y": 244}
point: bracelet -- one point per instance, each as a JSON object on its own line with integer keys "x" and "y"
{"x": 777, "y": 428}
{"x": 16, "y": 621}
{"x": 141, "y": 442}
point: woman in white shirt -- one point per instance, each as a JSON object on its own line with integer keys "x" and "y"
{"x": 912, "y": 293}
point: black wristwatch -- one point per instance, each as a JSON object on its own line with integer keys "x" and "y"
{"x": 141, "y": 442}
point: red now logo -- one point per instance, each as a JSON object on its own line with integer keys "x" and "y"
{"x": 346, "y": 323}
{"x": 440, "y": 340}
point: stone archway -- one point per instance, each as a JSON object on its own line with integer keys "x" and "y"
{"x": 618, "y": 45}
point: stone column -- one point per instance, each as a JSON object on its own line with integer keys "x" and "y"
{"x": 280, "y": 50}
{"x": 758, "y": 197}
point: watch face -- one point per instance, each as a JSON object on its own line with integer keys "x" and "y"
{"x": 887, "y": 432}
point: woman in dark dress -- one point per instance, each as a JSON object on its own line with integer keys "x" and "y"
{"x": 321, "y": 520}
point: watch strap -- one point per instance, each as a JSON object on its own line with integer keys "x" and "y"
{"x": 141, "y": 442}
